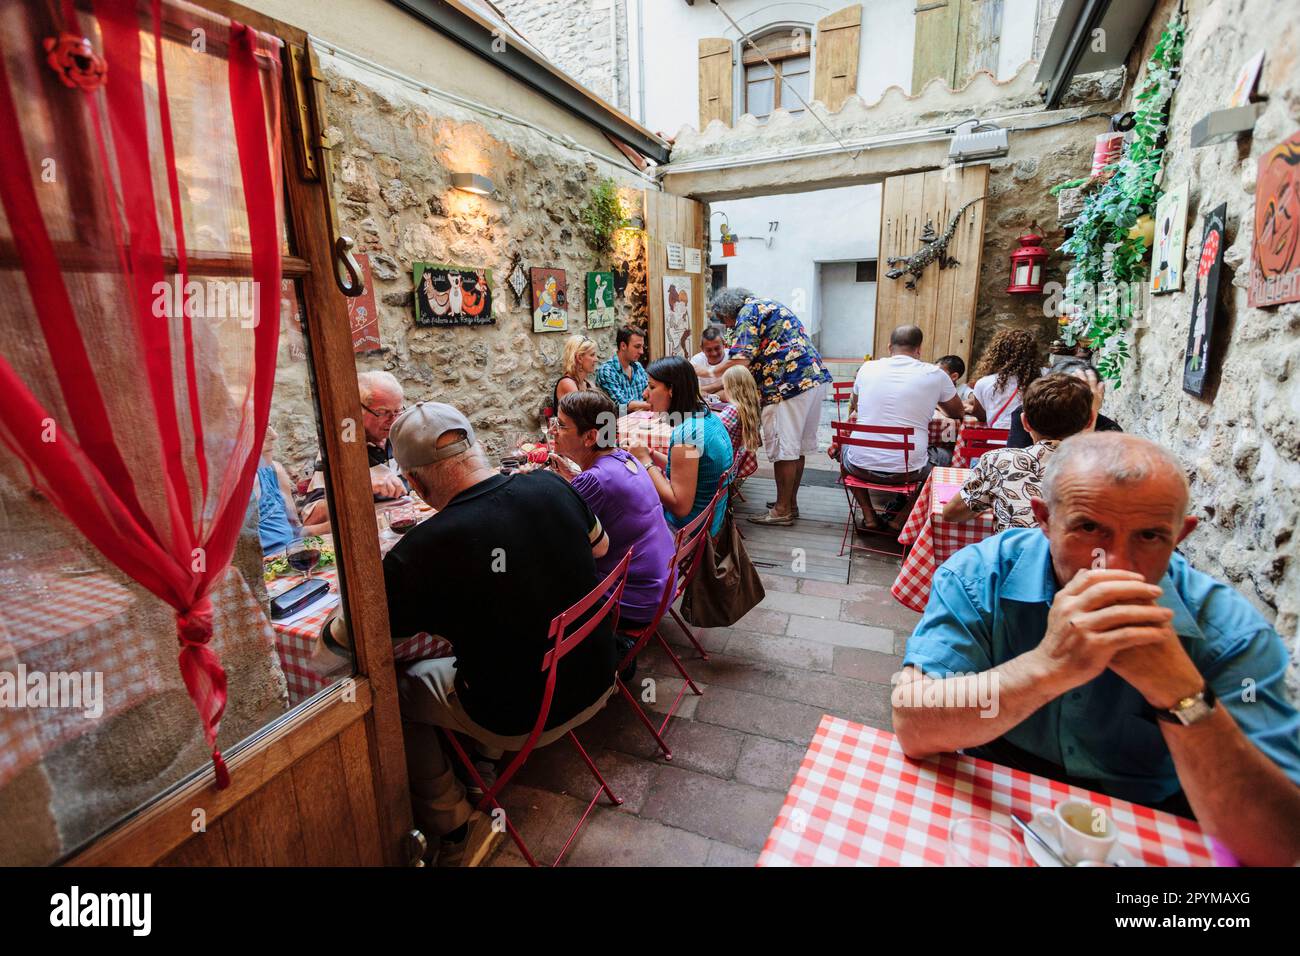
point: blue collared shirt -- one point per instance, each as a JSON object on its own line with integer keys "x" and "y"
{"x": 989, "y": 603}
{"x": 614, "y": 382}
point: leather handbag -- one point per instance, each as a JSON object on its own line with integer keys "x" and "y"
{"x": 727, "y": 586}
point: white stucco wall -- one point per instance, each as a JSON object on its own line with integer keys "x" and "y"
{"x": 831, "y": 225}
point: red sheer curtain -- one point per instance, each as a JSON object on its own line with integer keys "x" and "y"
{"x": 137, "y": 411}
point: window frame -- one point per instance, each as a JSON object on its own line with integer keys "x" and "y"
{"x": 746, "y": 57}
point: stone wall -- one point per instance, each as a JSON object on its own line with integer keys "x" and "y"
{"x": 397, "y": 148}
{"x": 575, "y": 36}
{"x": 1241, "y": 443}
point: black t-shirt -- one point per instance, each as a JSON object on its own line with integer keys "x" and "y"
{"x": 1019, "y": 438}
{"x": 488, "y": 573}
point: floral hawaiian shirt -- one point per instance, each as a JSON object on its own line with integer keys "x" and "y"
{"x": 782, "y": 357}
{"x": 1007, "y": 480}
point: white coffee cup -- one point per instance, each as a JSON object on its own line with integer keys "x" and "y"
{"x": 1084, "y": 831}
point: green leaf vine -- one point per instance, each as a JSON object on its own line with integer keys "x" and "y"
{"x": 1109, "y": 265}
{"x": 602, "y": 216}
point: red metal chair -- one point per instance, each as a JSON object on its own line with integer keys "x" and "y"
{"x": 841, "y": 392}
{"x": 568, "y": 629}
{"x": 852, "y": 435}
{"x": 976, "y": 440}
{"x": 689, "y": 546}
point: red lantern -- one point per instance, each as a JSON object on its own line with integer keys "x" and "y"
{"x": 1027, "y": 265}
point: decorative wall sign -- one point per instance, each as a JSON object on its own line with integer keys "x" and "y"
{"x": 677, "y": 316}
{"x": 600, "y": 300}
{"x": 1275, "y": 253}
{"x": 550, "y": 300}
{"x": 933, "y": 249}
{"x": 676, "y": 255}
{"x": 694, "y": 260}
{"x": 1168, "y": 253}
{"x": 292, "y": 345}
{"x": 517, "y": 278}
{"x": 452, "y": 295}
{"x": 1244, "y": 89}
{"x": 363, "y": 317}
{"x": 622, "y": 275}
{"x": 1200, "y": 334}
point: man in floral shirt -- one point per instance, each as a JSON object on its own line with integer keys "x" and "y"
{"x": 772, "y": 343}
{"x": 1009, "y": 479}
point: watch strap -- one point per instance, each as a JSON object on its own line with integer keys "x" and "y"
{"x": 1207, "y": 697}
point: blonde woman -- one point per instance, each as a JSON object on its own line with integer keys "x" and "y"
{"x": 739, "y": 411}
{"x": 580, "y": 359}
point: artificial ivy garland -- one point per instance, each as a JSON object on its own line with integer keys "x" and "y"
{"x": 1110, "y": 267}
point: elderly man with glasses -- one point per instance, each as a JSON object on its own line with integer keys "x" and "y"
{"x": 382, "y": 401}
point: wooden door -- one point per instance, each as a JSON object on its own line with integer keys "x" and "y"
{"x": 943, "y": 304}
{"x": 326, "y": 784}
{"x": 673, "y": 219}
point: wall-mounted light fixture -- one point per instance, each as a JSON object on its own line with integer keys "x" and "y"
{"x": 633, "y": 222}
{"x": 473, "y": 183}
{"x": 973, "y": 141}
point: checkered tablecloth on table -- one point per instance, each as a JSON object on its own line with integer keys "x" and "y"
{"x": 296, "y": 642}
{"x": 644, "y": 428}
{"x": 58, "y": 620}
{"x": 857, "y": 800}
{"x": 943, "y": 431}
{"x": 933, "y": 540}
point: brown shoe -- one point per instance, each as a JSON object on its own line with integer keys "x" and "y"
{"x": 480, "y": 840}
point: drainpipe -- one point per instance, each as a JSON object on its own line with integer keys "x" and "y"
{"x": 613, "y": 52}
{"x": 640, "y": 59}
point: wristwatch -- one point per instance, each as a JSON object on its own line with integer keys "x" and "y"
{"x": 1190, "y": 710}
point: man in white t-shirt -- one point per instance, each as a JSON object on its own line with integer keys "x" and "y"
{"x": 713, "y": 351}
{"x": 897, "y": 391}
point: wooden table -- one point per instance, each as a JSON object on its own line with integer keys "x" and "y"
{"x": 857, "y": 800}
{"x": 931, "y": 539}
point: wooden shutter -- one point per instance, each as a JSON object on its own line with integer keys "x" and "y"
{"x": 979, "y": 38}
{"x": 838, "y": 37}
{"x": 955, "y": 39}
{"x": 715, "y": 80}
{"x": 935, "y": 52}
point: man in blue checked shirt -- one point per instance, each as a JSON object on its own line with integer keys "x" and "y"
{"x": 1117, "y": 666}
{"x": 623, "y": 377}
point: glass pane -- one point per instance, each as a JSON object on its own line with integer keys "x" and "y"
{"x": 792, "y": 85}
{"x": 759, "y": 97}
{"x": 759, "y": 71}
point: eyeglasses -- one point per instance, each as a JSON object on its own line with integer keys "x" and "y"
{"x": 383, "y": 414}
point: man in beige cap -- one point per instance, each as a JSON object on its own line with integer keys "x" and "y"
{"x": 502, "y": 557}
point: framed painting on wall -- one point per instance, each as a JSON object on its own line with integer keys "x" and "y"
{"x": 1200, "y": 334}
{"x": 1171, "y": 240}
{"x": 1275, "y": 253}
{"x": 600, "y": 300}
{"x": 550, "y": 300}
{"x": 452, "y": 295}
{"x": 677, "y": 316}
{"x": 363, "y": 317}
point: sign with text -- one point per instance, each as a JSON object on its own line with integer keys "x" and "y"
{"x": 363, "y": 317}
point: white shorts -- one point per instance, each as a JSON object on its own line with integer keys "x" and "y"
{"x": 790, "y": 427}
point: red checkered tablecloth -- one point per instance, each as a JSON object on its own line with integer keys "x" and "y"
{"x": 943, "y": 431}
{"x": 296, "y": 643}
{"x": 646, "y": 429}
{"x": 857, "y": 800}
{"x": 932, "y": 540}
{"x": 67, "y": 613}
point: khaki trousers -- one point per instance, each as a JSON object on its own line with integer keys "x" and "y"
{"x": 428, "y": 700}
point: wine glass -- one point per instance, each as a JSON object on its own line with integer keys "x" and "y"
{"x": 303, "y": 555}
{"x": 973, "y": 842}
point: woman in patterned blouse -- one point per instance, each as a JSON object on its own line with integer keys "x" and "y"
{"x": 1008, "y": 479}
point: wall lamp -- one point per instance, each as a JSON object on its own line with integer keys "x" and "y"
{"x": 473, "y": 183}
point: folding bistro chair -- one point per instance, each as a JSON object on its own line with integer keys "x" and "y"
{"x": 689, "y": 545}
{"x": 976, "y": 440}
{"x": 851, "y": 434}
{"x": 568, "y": 629}
{"x": 841, "y": 392}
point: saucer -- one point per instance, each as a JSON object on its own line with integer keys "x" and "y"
{"x": 1120, "y": 855}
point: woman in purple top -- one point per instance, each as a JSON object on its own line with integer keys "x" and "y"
{"x": 620, "y": 493}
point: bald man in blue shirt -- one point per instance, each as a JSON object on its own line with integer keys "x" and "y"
{"x": 1115, "y": 664}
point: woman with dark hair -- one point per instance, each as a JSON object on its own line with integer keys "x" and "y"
{"x": 1009, "y": 366}
{"x": 620, "y": 493}
{"x": 699, "y": 451}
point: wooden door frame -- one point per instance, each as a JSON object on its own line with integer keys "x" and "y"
{"x": 372, "y": 694}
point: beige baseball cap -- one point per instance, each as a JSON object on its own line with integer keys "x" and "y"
{"x": 416, "y": 431}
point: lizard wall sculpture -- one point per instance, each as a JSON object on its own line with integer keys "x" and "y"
{"x": 934, "y": 250}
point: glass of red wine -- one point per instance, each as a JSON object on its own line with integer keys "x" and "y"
{"x": 303, "y": 555}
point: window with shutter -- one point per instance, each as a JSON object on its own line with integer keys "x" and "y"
{"x": 955, "y": 39}
{"x": 715, "y": 80}
{"x": 838, "y": 39}
{"x": 785, "y": 80}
